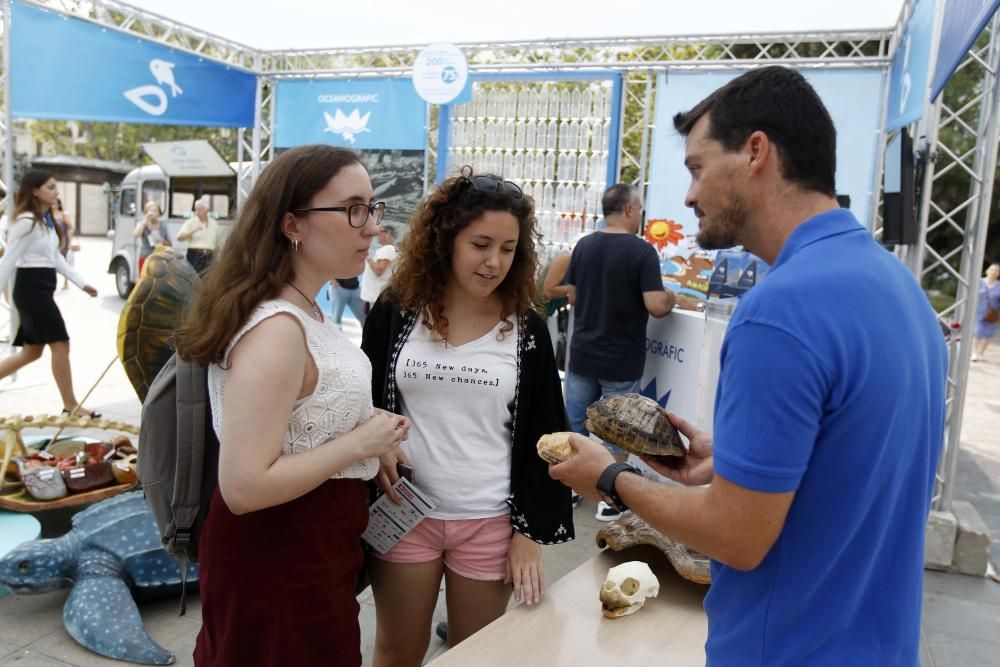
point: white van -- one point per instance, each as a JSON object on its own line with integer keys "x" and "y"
{"x": 185, "y": 171}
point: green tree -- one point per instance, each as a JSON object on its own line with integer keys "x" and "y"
{"x": 123, "y": 141}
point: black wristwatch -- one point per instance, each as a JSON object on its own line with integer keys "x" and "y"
{"x": 606, "y": 484}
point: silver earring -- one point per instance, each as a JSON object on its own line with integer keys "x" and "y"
{"x": 295, "y": 244}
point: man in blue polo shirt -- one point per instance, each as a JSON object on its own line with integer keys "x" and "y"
{"x": 813, "y": 497}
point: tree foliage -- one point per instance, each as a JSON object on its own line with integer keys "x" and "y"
{"x": 122, "y": 141}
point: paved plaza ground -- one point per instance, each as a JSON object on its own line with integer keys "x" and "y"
{"x": 961, "y": 623}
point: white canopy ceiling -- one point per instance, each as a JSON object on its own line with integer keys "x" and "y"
{"x": 311, "y": 24}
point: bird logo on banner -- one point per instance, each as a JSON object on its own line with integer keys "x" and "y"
{"x": 347, "y": 127}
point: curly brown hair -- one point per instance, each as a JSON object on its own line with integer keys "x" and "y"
{"x": 424, "y": 267}
{"x": 256, "y": 261}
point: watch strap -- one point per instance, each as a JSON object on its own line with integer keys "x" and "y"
{"x": 606, "y": 483}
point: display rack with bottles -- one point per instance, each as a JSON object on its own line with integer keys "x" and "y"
{"x": 550, "y": 137}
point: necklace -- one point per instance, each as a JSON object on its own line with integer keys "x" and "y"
{"x": 312, "y": 303}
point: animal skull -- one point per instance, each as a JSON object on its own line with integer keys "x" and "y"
{"x": 626, "y": 588}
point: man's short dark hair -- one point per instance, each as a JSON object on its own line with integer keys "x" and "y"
{"x": 779, "y": 102}
{"x": 616, "y": 198}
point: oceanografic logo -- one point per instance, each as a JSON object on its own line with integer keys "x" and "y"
{"x": 151, "y": 98}
{"x": 347, "y": 127}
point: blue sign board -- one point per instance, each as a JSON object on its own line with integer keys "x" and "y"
{"x": 908, "y": 75}
{"x": 356, "y": 113}
{"x": 70, "y": 69}
{"x": 962, "y": 22}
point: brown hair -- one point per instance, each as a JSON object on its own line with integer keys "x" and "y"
{"x": 25, "y": 202}
{"x": 424, "y": 267}
{"x": 256, "y": 261}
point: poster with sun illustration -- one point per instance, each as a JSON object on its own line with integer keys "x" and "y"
{"x": 662, "y": 233}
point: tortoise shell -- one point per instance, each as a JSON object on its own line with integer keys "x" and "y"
{"x": 636, "y": 424}
{"x": 154, "y": 310}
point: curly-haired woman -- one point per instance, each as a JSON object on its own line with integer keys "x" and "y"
{"x": 291, "y": 404}
{"x": 457, "y": 346}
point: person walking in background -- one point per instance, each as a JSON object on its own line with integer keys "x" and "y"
{"x": 291, "y": 403}
{"x": 150, "y": 232}
{"x": 987, "y": 311}
{"x": 378, "y": 269}
{"x": 67, "y": 246}
{"x": 347, "y": 292}
{"x": 614, "y": 285}
{"x": 32, "y": 258}
{"x": 555, "y": 297}
{"x": 201, "y": 233}
{"x": 457, "y": 346}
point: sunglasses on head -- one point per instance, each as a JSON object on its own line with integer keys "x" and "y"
{"x": 490, "y": 184}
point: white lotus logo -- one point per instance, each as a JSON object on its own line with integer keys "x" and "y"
{"x": 347, "y": 126}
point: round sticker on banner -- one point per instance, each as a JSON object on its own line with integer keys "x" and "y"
{"x": 440, "y": 73}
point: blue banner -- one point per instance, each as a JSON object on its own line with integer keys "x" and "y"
{"x": 962, "y": 22}
{"x": 357, "y": 113}
{"x": 908, "y": 75}
{"x": 70, "y": 69}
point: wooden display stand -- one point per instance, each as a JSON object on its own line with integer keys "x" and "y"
{"x": 567, "y": 627}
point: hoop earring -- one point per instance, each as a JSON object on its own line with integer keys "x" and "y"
{"x": 295, "y": 244}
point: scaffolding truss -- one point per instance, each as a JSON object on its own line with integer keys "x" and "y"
{"x": 962, "y": 145}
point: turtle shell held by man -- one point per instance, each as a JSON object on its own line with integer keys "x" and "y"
{"x": 636, "y": 424}
{"x": 154, "y": 310}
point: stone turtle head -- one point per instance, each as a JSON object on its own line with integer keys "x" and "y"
{"x": 39, "y": 566}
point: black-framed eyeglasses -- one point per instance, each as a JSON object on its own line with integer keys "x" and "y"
{"x": 490, "y": 184}
{"x": 357, "y": 214}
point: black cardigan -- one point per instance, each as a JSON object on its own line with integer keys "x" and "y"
{"x": 540, "y": 507}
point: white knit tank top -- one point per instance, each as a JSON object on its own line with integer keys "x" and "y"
{"x": 342, "y": 397}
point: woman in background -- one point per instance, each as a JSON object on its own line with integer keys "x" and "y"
{"x": 32, "y": 253}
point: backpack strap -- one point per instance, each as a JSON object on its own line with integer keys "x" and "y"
{"x": 192, "y": 411}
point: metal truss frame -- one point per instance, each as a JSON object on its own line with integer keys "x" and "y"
{"x": 962, "y": 138}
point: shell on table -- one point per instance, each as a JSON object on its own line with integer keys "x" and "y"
{"x": 637, "y": 424}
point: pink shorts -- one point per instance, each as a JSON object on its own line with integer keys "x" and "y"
{"x": 472, "y": 548}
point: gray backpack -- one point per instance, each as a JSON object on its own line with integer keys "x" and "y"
{"x": 179, "y": 458}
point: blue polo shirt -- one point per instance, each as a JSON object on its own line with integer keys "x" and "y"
{"x": 832, "y": 385}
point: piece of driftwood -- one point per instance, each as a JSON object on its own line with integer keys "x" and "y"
{"x": 631, "y": 530}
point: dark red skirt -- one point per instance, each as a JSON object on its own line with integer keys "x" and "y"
{"x": 278, "y": 585}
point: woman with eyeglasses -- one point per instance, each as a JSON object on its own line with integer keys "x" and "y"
{"x": 279, "y": 554}
{"x": 457, "y": 346}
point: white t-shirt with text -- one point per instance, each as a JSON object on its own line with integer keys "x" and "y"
{"x": 458, "y": 399}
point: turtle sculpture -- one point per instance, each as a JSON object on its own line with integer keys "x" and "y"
{"x": 112, "y": 553}
{"x": 636, "y": 424}
{"x": 152, "y": 313}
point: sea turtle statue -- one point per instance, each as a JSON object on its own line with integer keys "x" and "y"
{"x": 152, "y": 313}
{"x": 637, "y": 424}
{"x": 114, "y": 546}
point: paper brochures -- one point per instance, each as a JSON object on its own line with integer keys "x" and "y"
{"x": 389, "y": 522}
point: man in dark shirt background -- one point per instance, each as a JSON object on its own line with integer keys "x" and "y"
{"x": 614, "y": 285}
